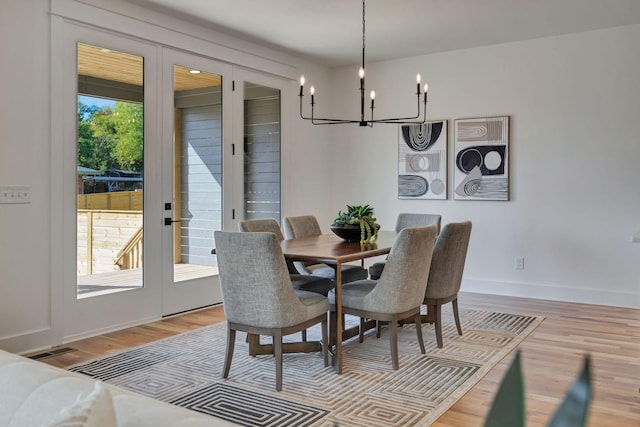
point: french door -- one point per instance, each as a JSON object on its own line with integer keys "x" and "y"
{"x": 111, "y": 243}
{"x": 258, "y": 132}
{"x": 148, "y": 180}
{"x": 158, "y": 152}
{"x": 197, "y": 176}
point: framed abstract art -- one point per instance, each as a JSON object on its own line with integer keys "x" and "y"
{"x": 481, "y": 158}
{"x": 422, "y": 161}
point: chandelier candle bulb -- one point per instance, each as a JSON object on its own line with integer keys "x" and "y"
{"x": 373, "y": 97}
{"x": 312, "y": 91}
{"x": 426, "y": 86}
{"x": 301, "y": 85}
{"x": 418, "y": 82}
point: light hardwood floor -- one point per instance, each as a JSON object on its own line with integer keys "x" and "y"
{"x": 551, "y": 356}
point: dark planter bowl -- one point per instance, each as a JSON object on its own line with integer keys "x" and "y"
{"x": 350, "y": 233}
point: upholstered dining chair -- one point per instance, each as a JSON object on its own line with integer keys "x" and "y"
{"x": 445, "y": 276}
{"x": 307, "y": 225}
{"x": 303, "y": 282}
{"x": 258, "y": 297}
{"x": 405, "y": 220}
{"x": 400, "y": 290}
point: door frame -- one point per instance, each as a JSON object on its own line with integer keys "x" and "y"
{"x": 242, "y": 75}
{"x": 74, "y": 318}
{"x": 195, "y": 293}
{"x": 126, "y": 22}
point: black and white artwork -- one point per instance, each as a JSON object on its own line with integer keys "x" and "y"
{"x": 481, "y": 147}
{"x": 422, "y": 161}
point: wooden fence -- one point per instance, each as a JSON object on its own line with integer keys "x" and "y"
{"x": 119, "y": 200}
{"x": 102, "y": 236}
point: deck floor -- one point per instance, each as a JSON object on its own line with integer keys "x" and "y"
{"x": 118, "y": 281}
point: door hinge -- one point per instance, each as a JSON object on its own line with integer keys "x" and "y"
{"x": 233, "y": 149}
{"x": 233, "y": 85}
{"x": 233, "y": 214}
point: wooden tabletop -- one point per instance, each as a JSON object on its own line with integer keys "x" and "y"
{"x": 329, "y": 247}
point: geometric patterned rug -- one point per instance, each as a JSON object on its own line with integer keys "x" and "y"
{"x": 186, "y": 370}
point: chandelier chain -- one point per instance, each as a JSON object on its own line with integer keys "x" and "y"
{"x": 363, "y": 33}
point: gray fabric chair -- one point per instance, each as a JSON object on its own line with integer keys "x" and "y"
{"x": 445, "y": 276}
{"x": 302, "y": 282}
{"x": 258, "y": 297}
{"x": 307, "y": 225}
{"x": 400, "y": 290}
{"x": 406, "y": 220}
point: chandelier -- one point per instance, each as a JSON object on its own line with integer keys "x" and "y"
{"x": 364, "y": 122}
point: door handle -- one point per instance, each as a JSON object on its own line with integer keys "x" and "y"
{"x": 169, "y": 221}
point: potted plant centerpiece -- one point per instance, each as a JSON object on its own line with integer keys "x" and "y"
{"x": 356, "y": 224}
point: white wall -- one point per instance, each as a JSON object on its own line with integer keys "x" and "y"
{"x": 572, "y": 100}
{"x": 29, "y": 283}
{"x": 574, "y": 103}
{"x": 25, "y": 304}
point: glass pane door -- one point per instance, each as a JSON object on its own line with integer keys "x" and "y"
{"x": 197, "y": 171}
{"x": 110, "y": 170}
{"x": 107, "y": 146}
{"x": 195, "y": 152}
{"x": 261, "y": 152}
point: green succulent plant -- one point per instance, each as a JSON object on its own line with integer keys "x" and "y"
{"x": 361, "y": 215}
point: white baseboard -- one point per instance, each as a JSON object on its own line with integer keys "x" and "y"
{"x": 110, "y": 328}
{"x": 27, "y": 342}
{"x": 553, "y": 293}
{"x": 33, "y": 341}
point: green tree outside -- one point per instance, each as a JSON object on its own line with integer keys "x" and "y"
{"x": 111, "y": 138}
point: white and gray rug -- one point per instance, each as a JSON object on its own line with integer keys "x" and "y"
{"x": 186, "y": 370}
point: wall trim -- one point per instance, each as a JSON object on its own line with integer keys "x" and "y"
{"x": 27, "y": 342}
{"x": 144, "y": 24}
{"x": 552, "y": 293}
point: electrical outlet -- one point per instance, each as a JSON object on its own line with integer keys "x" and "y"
{"x": 15, "y": 194}
{"x": 518, "y": 263}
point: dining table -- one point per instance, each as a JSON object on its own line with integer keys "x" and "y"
{"x": 332, "y": 249}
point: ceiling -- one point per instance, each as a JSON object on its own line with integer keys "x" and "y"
{"x": 330, "y": 31}
{"x": 111, "y": 65}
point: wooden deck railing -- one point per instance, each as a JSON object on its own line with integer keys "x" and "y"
{"x": 130, "y": 256}
{"x": 102, "y": 237}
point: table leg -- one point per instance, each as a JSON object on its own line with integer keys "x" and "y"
{"x": 338, "y": 351}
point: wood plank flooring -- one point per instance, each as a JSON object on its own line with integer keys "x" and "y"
{"x": 551, "y": 356}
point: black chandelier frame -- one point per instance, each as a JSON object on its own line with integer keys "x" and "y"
{"x": 364, "y": 122}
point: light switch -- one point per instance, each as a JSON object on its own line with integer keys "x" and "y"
{"x": 15, "y": 194}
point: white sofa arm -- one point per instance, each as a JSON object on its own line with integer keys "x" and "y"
{"x": 33, "y": 393}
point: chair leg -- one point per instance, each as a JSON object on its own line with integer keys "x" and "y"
{"x": 333, "y": 318}
{"x": 325, "y": 342}
{"x": 418, "y": 320}
{"x": 378, "y": 328}
{"x": 437, "y": 316}
{"x": 456, "y": 316}
{"x": 231, "y": 341}
{"x": 393, "y": 342}
{"x": 361, "y": 331}
{"x": 277, "y": 351}
{"x": 304, "y": 335}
